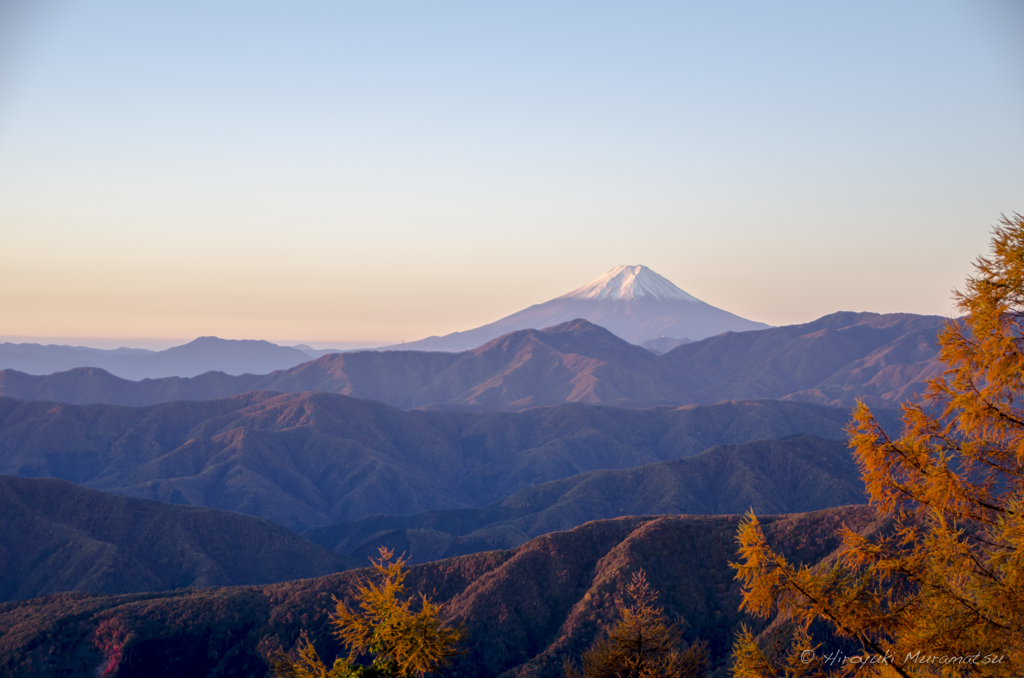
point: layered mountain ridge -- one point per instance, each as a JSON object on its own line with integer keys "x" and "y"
{"x": 880, "y": 358}
{"x": 572, "y": 449}
{"x": 231, "y": 356}
{"x": 311, "y": 459}
{"x": 522, "y": 610}
{"x": 791, "y": 475}
{"x": 56, "y": 536}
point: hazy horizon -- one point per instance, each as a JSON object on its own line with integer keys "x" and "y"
{"x": 342, "y": 175}
{"x": 162, "y": 343}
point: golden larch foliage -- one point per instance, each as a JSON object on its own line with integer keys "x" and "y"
{"x": 404, "y": 642}
{"x": 941, "y": 593}
{"x": 643, "y": 644}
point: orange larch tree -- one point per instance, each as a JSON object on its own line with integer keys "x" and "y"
{"x": 403, "y": 641}
{"x": 941, "y": 593}
{"x": 643, "y": 644}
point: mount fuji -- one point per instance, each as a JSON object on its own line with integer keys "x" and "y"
{"x": 632, "y": 302}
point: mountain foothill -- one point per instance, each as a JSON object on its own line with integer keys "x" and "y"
{"x": 59, "y": 536}
{"x": 522, "y": 610}
{"x": 192, "y": 511}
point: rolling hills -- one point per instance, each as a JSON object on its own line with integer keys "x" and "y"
{"x": 523, "y": 610}
{"x": 793, "y": 475}
{"x": 56, "y": 536}
{"x": 310, "y": 459}
{"x": 883, "y": 359}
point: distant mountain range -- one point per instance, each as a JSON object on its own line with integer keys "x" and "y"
{"x": 188, "y": 360}
{"x": 523, "y": 610}
{"x": 57, "y": 536}
{"x": 882, "y": 359}
{"x": 797, "y": 474}
{"x": 307, "y": 460}
{"x": 632, "y": 302}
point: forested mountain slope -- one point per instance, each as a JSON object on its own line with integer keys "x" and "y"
{"x": 523, "y": 610}
{"x": 57, "y": 536}
{"x": 801, "y": 473}
{"x": 879, "y": 358}
{"x": 306, "y": 460}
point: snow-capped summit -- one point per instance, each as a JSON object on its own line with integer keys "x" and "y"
{"x": 630, "y": 282}
{"x": 632, "y": 302}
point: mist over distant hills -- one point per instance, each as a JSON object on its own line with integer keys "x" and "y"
{"x": 188, "y": 360}
{"x": 881, "y": 358}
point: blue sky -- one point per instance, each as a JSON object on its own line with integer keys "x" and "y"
{"x": 343, "y": 172}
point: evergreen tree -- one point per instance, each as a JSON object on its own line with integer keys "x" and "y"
{"x": 403, "y": 643}
{"x": 643, "y": 644}
{"x": 942, "y": 592}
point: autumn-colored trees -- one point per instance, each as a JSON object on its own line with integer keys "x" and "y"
{"x": 942, "y": 591}
{"x": 643, "y": 644}
{"x": 402, "y": 641}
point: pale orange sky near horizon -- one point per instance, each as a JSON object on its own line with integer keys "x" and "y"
{"x": 373, "y": 175}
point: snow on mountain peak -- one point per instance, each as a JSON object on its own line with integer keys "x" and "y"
{"x": 630, "y": 282}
